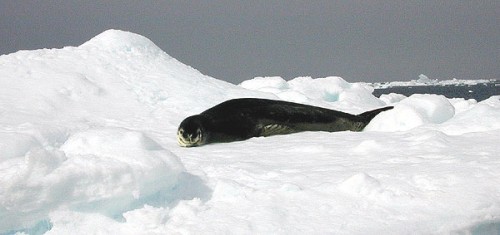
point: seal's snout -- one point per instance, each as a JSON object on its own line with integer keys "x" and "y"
{"x": 187, "y": 138}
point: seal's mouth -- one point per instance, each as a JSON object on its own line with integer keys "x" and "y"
{"x": 188, "y": 140}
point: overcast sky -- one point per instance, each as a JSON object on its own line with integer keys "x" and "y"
{"x": 359, "y": 40}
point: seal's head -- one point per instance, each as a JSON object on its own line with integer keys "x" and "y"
{"x": 191, "y": 131}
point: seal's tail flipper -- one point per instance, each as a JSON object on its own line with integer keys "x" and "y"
{"x": 369, "y": 115}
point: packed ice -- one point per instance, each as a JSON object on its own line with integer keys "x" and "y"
{"x": 424, "y": 80}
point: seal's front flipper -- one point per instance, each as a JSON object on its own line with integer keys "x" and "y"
{"x": 275, "y": 129}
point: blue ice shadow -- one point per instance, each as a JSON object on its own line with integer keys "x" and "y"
{"x": 489, "y": 228}
{"x": 188, "y": 187}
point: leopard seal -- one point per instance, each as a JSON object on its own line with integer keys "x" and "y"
{"x": 244, "y": 118}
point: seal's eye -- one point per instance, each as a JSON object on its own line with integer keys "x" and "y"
{"x": 198, "y": 133}
{"x": 181, "y": 131}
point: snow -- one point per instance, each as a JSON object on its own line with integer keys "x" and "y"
{"x": 332, "y": 92}
{"x": 87, "y": 145}
{"x": 414, "y": 111}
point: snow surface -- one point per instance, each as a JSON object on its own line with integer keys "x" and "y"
{"x": 87, "y": 145}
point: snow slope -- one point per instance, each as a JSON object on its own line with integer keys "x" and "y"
{"x": 87, "y": 145}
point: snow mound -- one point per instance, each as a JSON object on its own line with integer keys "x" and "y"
{"x": 392, "y": 98}
{"x": 434, "y": 108}
{"x": 122, "y": 41}
{"x": 412, "y": 112}
{"x": 483, "y": 116}
{"x": 319, "y": 91}
{"x": 462, "y": 105}
{"x": 266, "y": 84}
{"x": 106, "y": 170}
{"x": 366, "y": 186}
{"x": 362, "y": 184}
{"x": 113, "y": 72}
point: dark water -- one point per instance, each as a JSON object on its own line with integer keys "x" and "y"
{"x": 478, "y": 92}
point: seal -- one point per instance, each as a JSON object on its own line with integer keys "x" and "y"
{"x": 241, "y": 119}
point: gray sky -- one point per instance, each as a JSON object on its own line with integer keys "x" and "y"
{"x": 360, "y": 40}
